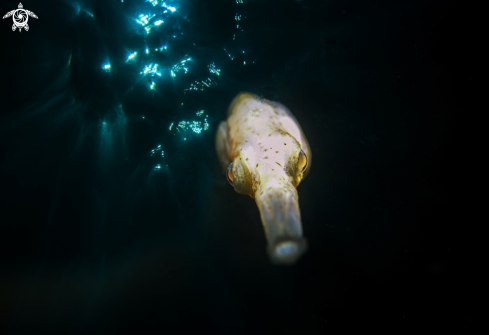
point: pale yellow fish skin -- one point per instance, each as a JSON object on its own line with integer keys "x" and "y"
{"x": 270, "y": 156}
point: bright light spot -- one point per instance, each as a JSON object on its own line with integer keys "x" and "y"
{"x": 237, "y": 17}
{"x": 143, "y": 20}
{"x": 200, "y": 113}
{"x": 147, "y": 50}
{"x": 179, "y": 67}
{"x": 170, "y": 8}
{"x": 171, "y": 125}
{"x": 244, "y": 62}
{"x": 157, "y": 23}
{"x": 156, "y": 150}
{"x": 153, "y": 2}
{"x": 152, "y": 86}
{"x": 239, "y": 1}
{"x": 131, "y": 56}
{"x": 157, "y": 167}
{"x": 195, "y": 126}
{"x": 243, "y": 51}
{"x": 213, "y": 69}
{"x": 151, "y": 69}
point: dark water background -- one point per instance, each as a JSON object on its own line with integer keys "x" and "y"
{"x": 99, "y": 236}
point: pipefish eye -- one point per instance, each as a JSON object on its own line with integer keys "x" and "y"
{"x": 302, "y": 161}
{"x": 229, "y": 175}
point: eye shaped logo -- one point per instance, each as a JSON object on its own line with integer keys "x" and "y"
{"x": 20, "y": 17}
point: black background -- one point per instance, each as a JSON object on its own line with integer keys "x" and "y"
{"x": 95, "y": 241}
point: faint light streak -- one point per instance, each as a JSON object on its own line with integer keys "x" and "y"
{"x": 157, "y": 23}
{"x": 200, "y": 85}
{"x": 232, "y": 58}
